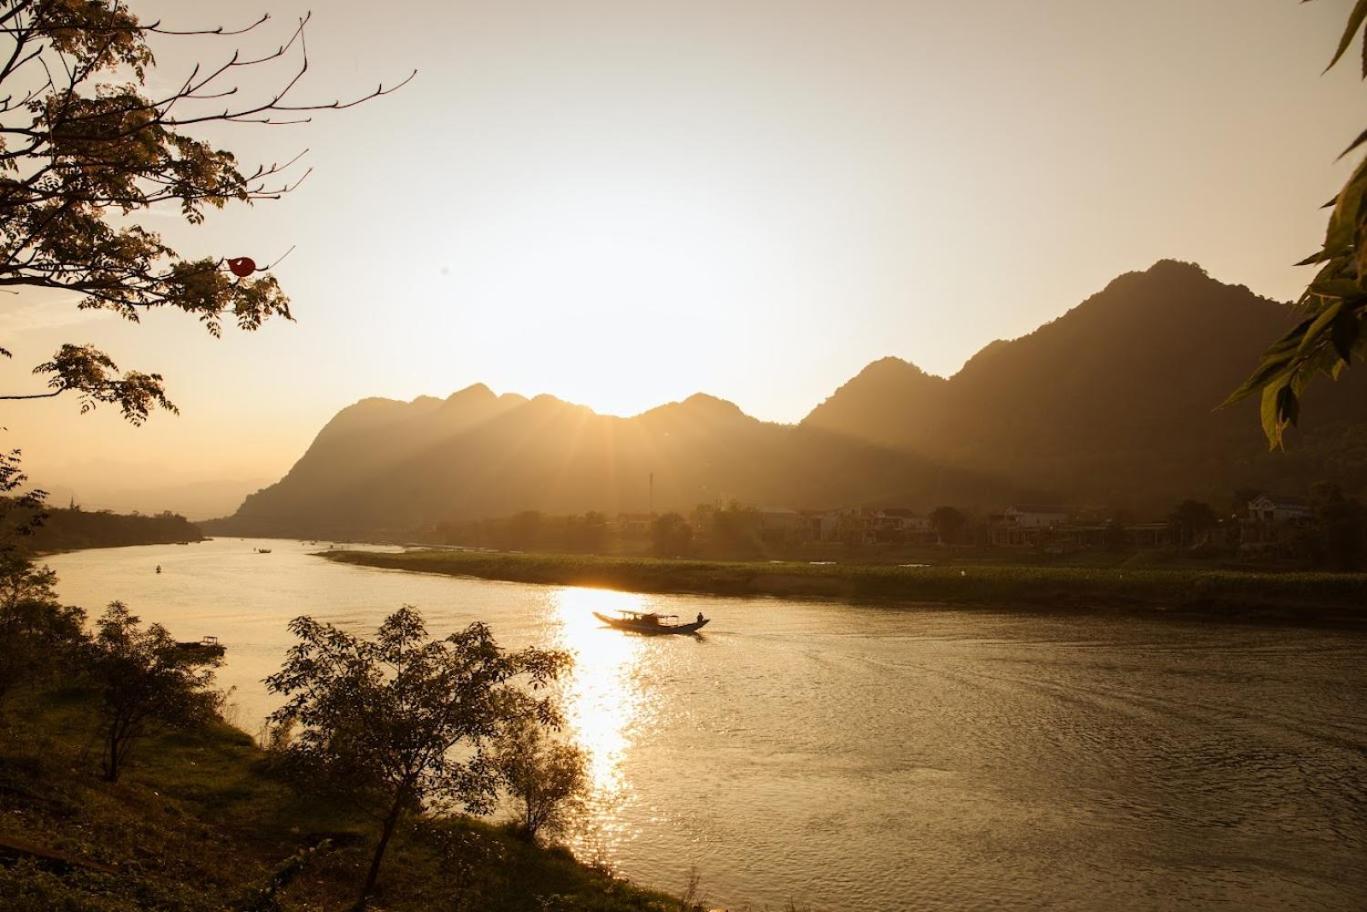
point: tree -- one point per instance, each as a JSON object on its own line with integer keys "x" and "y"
{"x": 89, "y": 145}
{"x": 524, "y": 529}
{"x": 1341, "y": 527}
{"x": 670, "y": 535}
{"x": 20, "y": 513}
{"x": 145, "y": 679}
{"x": 549, "y": 778}
{"x": 947, "y": 523}
{"x": 1333, "y": 307}
{"x": 1190, "y": 521}
{"x": 381, "y": 717}
{"x": 38, "y": 635}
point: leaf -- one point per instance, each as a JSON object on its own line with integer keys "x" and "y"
{"x": 1335, "y": 288}
{"x": 1268, "y": 369}
{"x": 1318, "y": 326}
{"x": 1318, "y": 257}
{"x": 1271, "y": 421}
{"x": 1343, "y": 222}
{"x": 1344, "y": 335}
{"x": 1355, "y": 19}
{"x": 1362, "y": 137}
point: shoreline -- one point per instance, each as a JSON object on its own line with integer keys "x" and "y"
{"x": 1304, "y": 598}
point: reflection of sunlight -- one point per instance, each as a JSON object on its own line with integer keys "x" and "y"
{"x": 605, "y": 698}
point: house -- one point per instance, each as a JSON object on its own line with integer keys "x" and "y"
{"x": 1034, "y": 516}
{"x": 780, "y": 524}
{"x": 1269, "y": 508}
{"x": 1270, "y": 522}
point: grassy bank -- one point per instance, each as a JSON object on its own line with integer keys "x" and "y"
{"x": 199, "y": 824}
{"x": 1308, "y": 596}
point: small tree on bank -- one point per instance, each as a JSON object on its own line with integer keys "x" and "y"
{"x": 38, "y": 635}
{"x": 404, "y": 721}
{"x": 145, "y": 679}
{"x": 549, "y": 778}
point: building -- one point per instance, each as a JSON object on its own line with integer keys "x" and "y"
{"x": 1269, "y": 508}
{"x": 1034, "y": 516}
{"x": 1271, "y": 522}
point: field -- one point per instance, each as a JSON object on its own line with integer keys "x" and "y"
{"x": 1333, "y": 597}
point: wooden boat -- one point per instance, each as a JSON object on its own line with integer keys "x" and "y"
{"x": 650, "y": 622}
{"x": 208, "y": 647}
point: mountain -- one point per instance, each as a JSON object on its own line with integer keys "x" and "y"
{"x": 1115, "y": 402}
{"x": 1112, "y": 404}
{"x": 385, "y": 466}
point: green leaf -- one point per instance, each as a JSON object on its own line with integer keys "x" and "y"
{"x": 1323, "y": 256}
{"x": 1318, "y": 326}
{"x": 1355, "y": 19}
{"x": 1336, "y": 289}
{"x": 1343, "y": 222}
{"x": 1345, "y": 334}
{"x": 1362, "y": 137}
{"x": 1271, "y": 420}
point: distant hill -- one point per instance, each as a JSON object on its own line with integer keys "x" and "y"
{"x": 71, "y": 529}
{"x": 1112, "y": 404}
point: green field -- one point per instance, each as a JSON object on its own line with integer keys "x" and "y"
{"x": 1308, "y": 596}
{"x": 199, "y": 824}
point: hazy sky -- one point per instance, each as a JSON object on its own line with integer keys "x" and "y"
{"x": 623, "y": 203}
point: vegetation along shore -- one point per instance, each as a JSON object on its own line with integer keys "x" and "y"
{"x": 1321, "y": 597}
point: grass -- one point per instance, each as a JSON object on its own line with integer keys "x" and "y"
{"x": 1305, "y": 596}
{"x": 197, "y": 824}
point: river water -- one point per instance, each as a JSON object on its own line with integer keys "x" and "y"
{"x": 877, "y": 759}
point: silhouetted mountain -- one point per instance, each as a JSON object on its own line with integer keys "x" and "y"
{"x": 1115, "y": 402}
{"x": 384, "y": 466}
{"x": 1111, "y": 404}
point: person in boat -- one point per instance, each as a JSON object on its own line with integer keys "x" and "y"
{"x": 699, "y": 617}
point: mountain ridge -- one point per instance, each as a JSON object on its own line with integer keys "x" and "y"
{"x": 1113, "y": 402}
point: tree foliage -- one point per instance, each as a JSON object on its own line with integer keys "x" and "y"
{"x": 89, "y": 143}
{"x": 548, "y": 777}
{"x": 1333, "y": 308}
{"x": 947, "y": 522}
{"x": 1190, "y": 520}
{"x": 145, "y": 679}
{"x": 408, "y": 721}
{"x": 671, "y": 535}
{"x": 38, "y": 635}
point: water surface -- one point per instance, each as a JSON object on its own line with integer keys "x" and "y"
{"x": 878, "y": 759}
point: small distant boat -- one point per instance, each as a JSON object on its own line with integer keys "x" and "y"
{"x": 263, "y": 550}
{"x": 158, "y": 568}
{"x": 651, "y": 623}
{"x": 207, "y": 646}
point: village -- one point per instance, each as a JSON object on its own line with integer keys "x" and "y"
{"x": 1257, "y": 528}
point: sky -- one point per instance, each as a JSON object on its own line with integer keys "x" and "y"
{"x": 624, "y": 203}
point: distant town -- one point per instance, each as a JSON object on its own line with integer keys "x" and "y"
{"x": 1257, "y": 528}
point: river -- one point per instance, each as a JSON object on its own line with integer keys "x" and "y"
{"x": 878, "y": 759}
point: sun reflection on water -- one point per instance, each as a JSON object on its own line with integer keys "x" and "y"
{"x": 607, "y": 698}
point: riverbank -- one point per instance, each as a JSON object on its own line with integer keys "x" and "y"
{"x": 1308, "y": 597}
{"x": 199, "y": 824}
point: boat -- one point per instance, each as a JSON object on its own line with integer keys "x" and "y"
{"x": 158, "y": 568}
{"x": 208, "y": 647}
{"x": 650, "y": 622}
{"x": 263, "y": 550}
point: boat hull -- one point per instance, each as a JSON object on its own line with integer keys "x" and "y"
{"x": 652, "y": 629}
